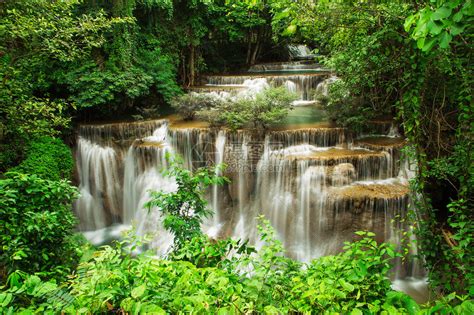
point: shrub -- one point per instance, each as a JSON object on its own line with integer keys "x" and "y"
{"x": 266, "y": 108}
{"x": 265, "y": 282}
{"x": 345, "y": 109}
{"x": 233, "y": 114}
{"x": 184, "y": 210}
{"x": 187, "y": 105}
{"x": 47, "y": 157}
{"x": 37, "y": 223}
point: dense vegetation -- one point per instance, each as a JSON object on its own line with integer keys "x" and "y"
{"x": 259, "y": 111}
{"x": 62, "y": 62}
{"x": 206, "y": 276}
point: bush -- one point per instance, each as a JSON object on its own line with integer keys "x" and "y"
{"x": 37, "y": 223}
{"x": 233, "y": 114}
{"x": 184, "y": 210}
{"x": 266, "y": 282}
{"x": 187, "y": 105}
{"x": 345, "y": 109}
{"x": 268, "y": 107}
{"x": 47, "y": 157}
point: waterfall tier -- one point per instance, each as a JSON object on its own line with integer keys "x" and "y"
{"x": 303, "y": 83}
{"x": 313, "y": 184}
{"x": 287, "y": 67}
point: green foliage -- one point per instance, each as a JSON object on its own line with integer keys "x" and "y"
{"x": 37, "y": 38}
{"x": 184, "y": 210}
{"x": 337, "y": 283}
{"x": 113, "y": 280}
{"x": 438, "y": 25}
{"x": 47, "y": 157}
{"x": 121, "y": 85}
{"x": 267, "y": 107}
{"x": 37, "y": 223}
{"x": 270, "y": 106}
{"x": 413, "y": 61}
{"x": 202, "y": 251}
{"x": 345, "y": 109}
{"x": 36, "y": 117}
{"x": 444, "y": 161}
{"x": 187, "y": 105}
{"x": 24, "y": 292}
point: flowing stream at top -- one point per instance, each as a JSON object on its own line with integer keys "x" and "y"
{"x": 314, "y": 182}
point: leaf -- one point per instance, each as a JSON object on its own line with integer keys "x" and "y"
{"x": 290, "y": 30}
{"x": 420, "y": 42}
{"x": 445, "y": 40}
{"x": 138, "y": 291}
{"x": 346, "y": 285}
{"x": 434, "y": 28}
{"x": 356, "y": 311}
{"x": 5, "y": 299}
{"x": 456, "y": 29}
{"x": 458, "y": 16}
{"x": 441, "y": 13}
{"x": 410, "y": 305}
{"x": 429, "y": 44}
{"x": 309, "y": 293}
{"x": 409, "y": 22}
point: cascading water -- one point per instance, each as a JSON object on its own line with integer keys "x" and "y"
{"x": 303, "y": 84}
{"x": 316, "y": 185}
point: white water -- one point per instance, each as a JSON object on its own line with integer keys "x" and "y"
{"x": 314, "y": 185}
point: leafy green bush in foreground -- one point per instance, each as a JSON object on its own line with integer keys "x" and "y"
{"x": 36, "y": 225}
{"x": 352, "y": 282}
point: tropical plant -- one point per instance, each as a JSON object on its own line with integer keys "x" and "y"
{"x": 184, "y": 210}
{"x": 36, "y": 234}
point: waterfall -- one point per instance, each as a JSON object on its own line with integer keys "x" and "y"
{"x": 300, "y": 179}
{"x": 307, "y": 66}
{"x": 219, "y": 159}
{"x": 99, "y": 188}
{"x": 300, "y": 52}
{"x": 303, "y": 84}
{"x": 317, "y": 184}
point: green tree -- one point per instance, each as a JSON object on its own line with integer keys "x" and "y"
{"x": 36, "y": 38}
{"x": 184, "y": 210}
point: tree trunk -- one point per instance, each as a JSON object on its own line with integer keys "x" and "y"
{"x": 249, "y": 48}
{"x": 192, "y": 61}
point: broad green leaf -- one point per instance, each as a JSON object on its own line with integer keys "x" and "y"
{"x": 456, "y": 29}
{"x": 445, "y": 40}
{"x": 434, "y": 27}
{"x": 409, "y": 22}
{"x": 420, "y": 42}
{"x": 138, "y": 291}
{"x": 429, "y": 44}
{"x": 346, "y": 285}
{"x": 441, "y": 13}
